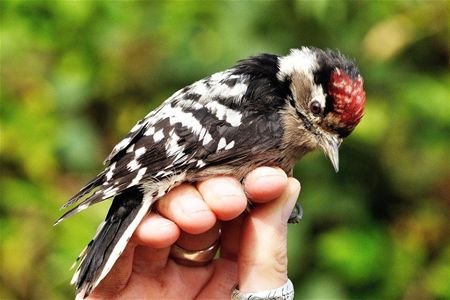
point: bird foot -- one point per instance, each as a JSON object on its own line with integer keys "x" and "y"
{"x": 296, "y": 215}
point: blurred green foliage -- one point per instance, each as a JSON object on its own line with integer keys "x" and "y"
{"x": 76, "y": 75}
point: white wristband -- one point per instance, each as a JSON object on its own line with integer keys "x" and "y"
{"x": 284, "y": 292}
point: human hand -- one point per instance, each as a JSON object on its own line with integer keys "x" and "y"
{"x": 253, "y": 249}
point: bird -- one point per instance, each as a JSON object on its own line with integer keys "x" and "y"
{"x": 267, "y": 110}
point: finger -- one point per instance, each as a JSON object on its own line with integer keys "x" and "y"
{"x": 153, "y": 237}
{"x": 265, "y": 184}
{"x": 185, "y": 206}
{"x": 263, "y": 253}
{"x": 149, "y": 261}
{"x": 225, "y": 273}
{"x": 224, "y": 196}
{"x": 230, "y": 240}
{"x": 156, "y": 231}
{"x": 221, "y": 283}
{"x": 199, "y": 241}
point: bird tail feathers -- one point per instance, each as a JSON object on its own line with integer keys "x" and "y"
{"x": 99, "y": 256}
{"x": 91, "y": 185}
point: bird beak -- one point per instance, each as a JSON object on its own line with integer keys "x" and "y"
{"x": 330, "y": 145}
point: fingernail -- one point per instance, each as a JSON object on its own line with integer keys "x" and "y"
{"x": 294, "y": 190}
{"x": 269, "y": 172}
{"x": 263, "y": 173}
{"x": 192, "y": 206}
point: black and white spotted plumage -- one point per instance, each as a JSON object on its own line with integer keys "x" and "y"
{"x": 228, "y": 123}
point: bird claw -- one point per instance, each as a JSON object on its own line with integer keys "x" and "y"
{"x": 296, "y": 214}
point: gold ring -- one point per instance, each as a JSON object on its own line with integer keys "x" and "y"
{"x": 194, "y": 258}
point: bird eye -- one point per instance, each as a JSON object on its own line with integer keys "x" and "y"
{"x": 315, "y": 107}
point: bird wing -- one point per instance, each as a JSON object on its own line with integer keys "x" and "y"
{"x": 177, "y": 136}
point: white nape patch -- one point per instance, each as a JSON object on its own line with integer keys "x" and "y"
{"x": 230, "y": 145}
{"x": 302, "y": 61}
{"x": 158, "y": 136}
{"x": 138, "y": 177}
{"x": 222, "y": 144}
{"x": 110, "y": 173}
{"x": 123, "y": 241}
{"x": 200, "y": 164}
{"x": 224, "y": 113}
{"x": 130, "y": 149}
{"x": 139, "y": 152}
{"x": 133, "y": 165}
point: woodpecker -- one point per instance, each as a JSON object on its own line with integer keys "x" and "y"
{"x": 267, "y": 110}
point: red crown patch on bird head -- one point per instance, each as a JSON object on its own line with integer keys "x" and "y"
{"x": 348, "y": 101}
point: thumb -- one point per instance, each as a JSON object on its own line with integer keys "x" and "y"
{"x": 263, "y": 252}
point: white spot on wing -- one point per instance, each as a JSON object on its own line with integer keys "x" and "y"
{"x": 230, "y": 145}
{"x": 222, "y": 144}
{"x": 139, "y": 152}
{"x": 224, "y": 91}
{"x": 224, "y": 113}
{"x": 217, "y": 88}
{"x": 110, "y": 192}
{"x": 149, "y": 131}
{"x": 123, "y": 143}
{"x": 133, "y": 165}
{"x": 187, "y": 103}
{"x": 207, "y": 139}
{"x": 202, "y": 133}
{"x": 162, "y": 173}
{"x": 172, "y": 146}
{"x": 130, "y": 149}
{"x": 179, "y": 158}
{"x": 220, "y": 76}
{"x": 199, "y": 88}
{"x": 158, "y": 136}
{"x": 83, "y": 207}
{"x": 136, "y": 127}
{"x": 138, "y": 177}
{"x": 110, "y": 173}
{"x": 186, "y": 119}
{"x": 200, "y": 163}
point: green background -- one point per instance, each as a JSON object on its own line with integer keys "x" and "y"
{"x": 76, "y": 75}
